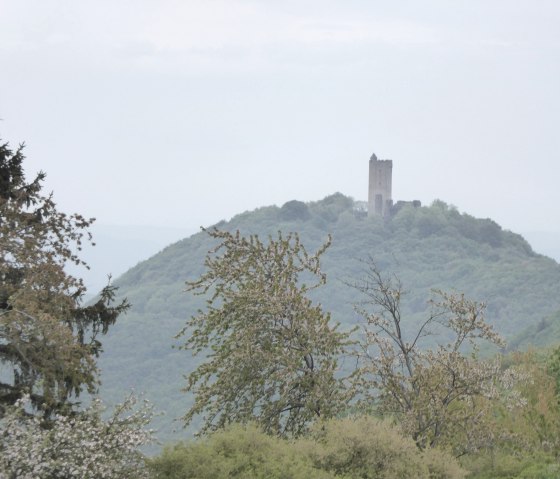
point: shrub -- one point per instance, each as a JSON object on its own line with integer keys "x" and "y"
{"x": 237, "y": 452}
{"x": 352, "y": 448}
{"x": 364, "y": 447}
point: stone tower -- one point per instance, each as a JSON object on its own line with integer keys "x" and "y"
{"x": 380, "y": 177}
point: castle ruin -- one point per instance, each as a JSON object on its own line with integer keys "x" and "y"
{"x": 380, "y": 201}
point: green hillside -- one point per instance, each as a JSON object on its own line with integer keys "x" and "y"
{"x": 428, "y": 247}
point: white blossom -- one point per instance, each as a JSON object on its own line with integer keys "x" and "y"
{"x": 80, "y": 446}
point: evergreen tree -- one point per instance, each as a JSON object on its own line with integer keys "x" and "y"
{"x": 48, "y": 340}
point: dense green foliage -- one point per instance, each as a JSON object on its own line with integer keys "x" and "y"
{"x": 364, "y": 447}
{"x": 428, "y": 247}
{"x": 238, "y": 452}
{"x": 360, "y": 448}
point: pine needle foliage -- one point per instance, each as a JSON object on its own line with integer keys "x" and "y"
{"x": 48, "y": 340}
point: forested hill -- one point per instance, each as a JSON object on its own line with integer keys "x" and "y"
{"x": 427, "y": 247}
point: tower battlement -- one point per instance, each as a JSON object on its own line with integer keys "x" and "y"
{"x": 380, "y": 199}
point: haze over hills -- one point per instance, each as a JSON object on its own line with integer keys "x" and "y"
{"x": 545, "y": 242}
{"x": 121, "y": 247}
{"x": 427, "y": 247}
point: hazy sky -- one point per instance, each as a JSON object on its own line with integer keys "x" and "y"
{"x": 182, "y": 113}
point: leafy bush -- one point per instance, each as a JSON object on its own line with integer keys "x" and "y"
{"x": 364, "y": 447}
{"x": 238, "y": 452}
{"x": 352, "y": 448}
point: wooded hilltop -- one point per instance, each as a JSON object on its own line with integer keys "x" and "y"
{"x": 306, "y": 340}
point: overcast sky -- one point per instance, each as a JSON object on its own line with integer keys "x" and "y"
{"x": 183, "y": 113}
